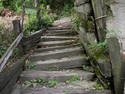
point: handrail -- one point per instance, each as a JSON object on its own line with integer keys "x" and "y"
{"x": 10, "y": 50}
{"x": 8, "y": 53}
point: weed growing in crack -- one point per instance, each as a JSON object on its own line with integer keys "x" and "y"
{"x": 75, "y": 78}
{"x": 40, "y": 81}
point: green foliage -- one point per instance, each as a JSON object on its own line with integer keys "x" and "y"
{"x": 99, "y": 50}
{"x": 4, "y": 42}
{"x": 52, "y": 83}
{"x": 66, "y": 11}
{"x": 34, "y": 24}
{"x": 88, "y": 68}
{"x": 2, "y": 50}
{"x": 99, "y": 86}
{"x": 41, "y": 81}
{"x": 32, "y": 83}
{"x": 1, "y": 6}
{"x": 75, "y": 78}
{"x": 29, "y": 65}
{"x": 100, "y": 45}
{"x": 108, "y": 3}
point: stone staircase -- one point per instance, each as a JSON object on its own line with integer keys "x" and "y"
{"x": 58, "y": 57}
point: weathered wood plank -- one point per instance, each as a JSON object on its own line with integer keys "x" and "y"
{"x": 99, "y": 9}
{"x": 9, "y": 77}
{"x": 118, "y": 63}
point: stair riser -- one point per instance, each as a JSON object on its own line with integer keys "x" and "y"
{"x": 58, "y": 28}
{"x": 56, "y": 39}
{"x": 55, "y": 48}
{"x": 63, "y": 65}
{"x": 57, "y": 44}
{"x": 66, "y": 91}
{"x": 60, "y": 34}
{"x": 58, "y": 31}
{"x": 56, "y": 56}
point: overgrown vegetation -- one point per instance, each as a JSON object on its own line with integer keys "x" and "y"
{"x": 40, "y": 81}
{"x": 88, "y": 68}
{"x": 75, "y": 78}
{"x": 99, "y": 49}
{"x": 48, "y": 14}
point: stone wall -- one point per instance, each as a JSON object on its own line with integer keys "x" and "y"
{"x": 103, "y": 20}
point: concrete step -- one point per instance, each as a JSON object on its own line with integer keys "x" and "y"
{"x": 60, "y": 34}
{"x": 55, "y": 48}
{"x": 60, "y": 76}
{"x": 68, "y": 52}
{"x": 58, "y": 38}
{"x": 59, "y": 64}
{"x": 41, "y": 90}
{"x": 56, "y": 31}
{"x": 56, "y": 43}
{"x": 78, "y": 84}
{"x": 58, "y": 28}
{"x": 66, "y": 91}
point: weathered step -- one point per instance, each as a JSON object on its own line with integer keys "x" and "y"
{"x": 58, "y": 38}
{"x": 64, "y": 63}
{"x": 55, "y": 48}
{"x": 68, "y": 52}
{"x": 56, "y": 31}
{"x": 61, "y": 76}
{"x": 60, "y": 34}
{"x": 58, "y": 28}
{"x": 79, "y": 84}
{"x": 56, "y": 43}
{"x": 61, "y": 91}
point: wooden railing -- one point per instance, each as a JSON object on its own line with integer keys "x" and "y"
{"x": 18, "y": 28}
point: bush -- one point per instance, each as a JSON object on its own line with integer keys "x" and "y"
{"x": 46, "y": 19}
{"x": 1, "y": 6}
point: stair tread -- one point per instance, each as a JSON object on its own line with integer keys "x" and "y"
{"x": 61, "y": 76}
{"x": 41, "y": 90}
{"x": 58, "y": 28}
{"x": 63, "y": 63}
{"x": 78, "y": 84}
{"x": 57, "y": 54}
{"x": 51, "y": 61}
{"x": 56, "y": 48}
{"x": 58, "y": 51}
{"x": 55, "y": 43}
{"x": 67, "y": 37}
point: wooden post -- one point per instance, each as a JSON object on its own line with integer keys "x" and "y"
{"x": 99, "y": 9}
{"x": 37, "y": 5}
{"x": 118, "y": 64}
{"x": 16, "y": 27}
